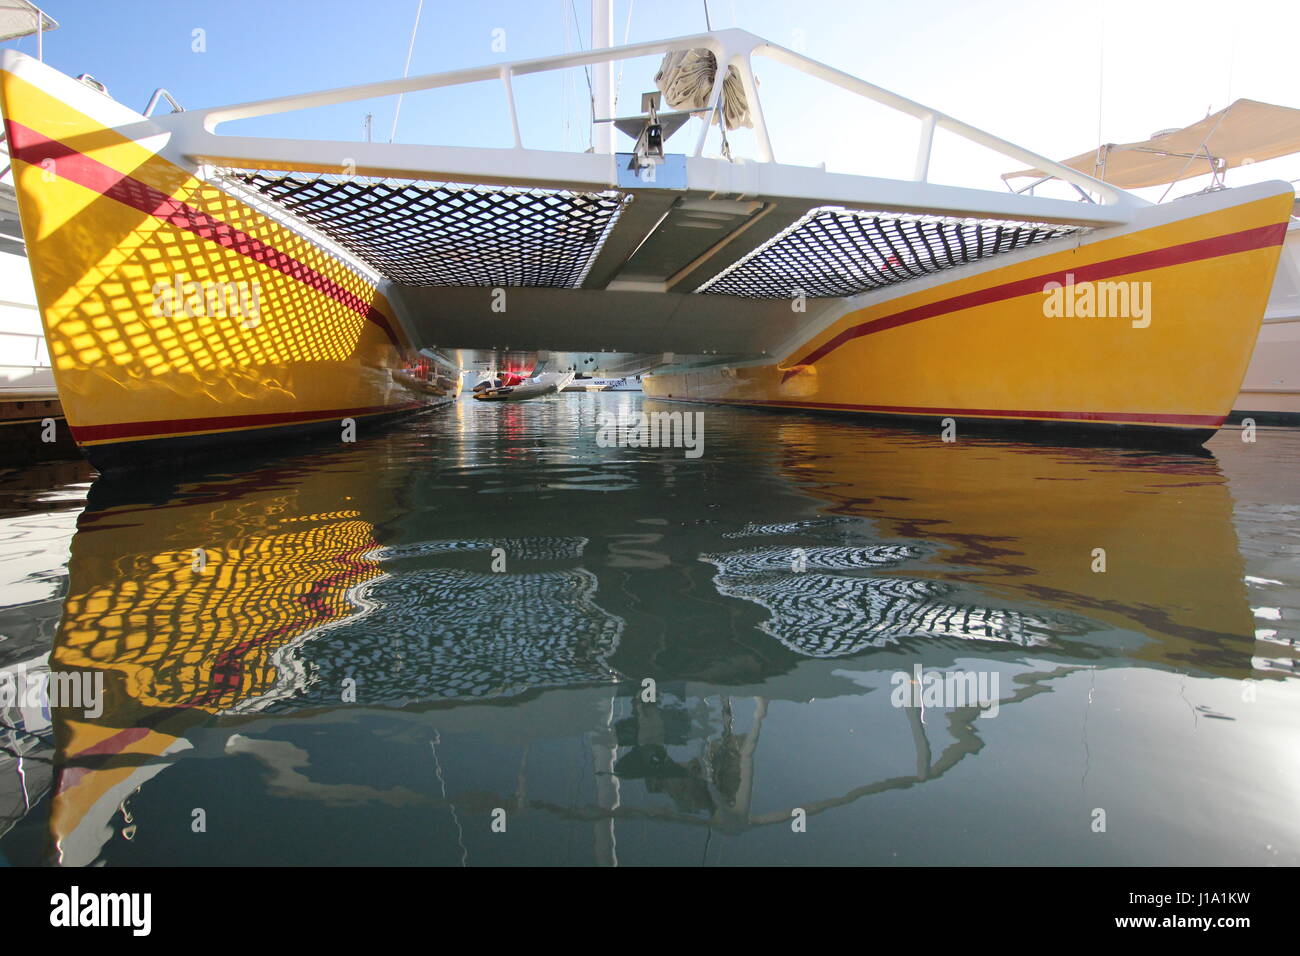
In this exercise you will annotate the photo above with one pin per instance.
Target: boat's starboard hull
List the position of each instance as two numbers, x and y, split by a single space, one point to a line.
176 314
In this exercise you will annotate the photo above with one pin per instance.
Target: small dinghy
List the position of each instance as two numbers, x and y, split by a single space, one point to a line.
547 384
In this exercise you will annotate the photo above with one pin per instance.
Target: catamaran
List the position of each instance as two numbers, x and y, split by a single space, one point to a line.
199 289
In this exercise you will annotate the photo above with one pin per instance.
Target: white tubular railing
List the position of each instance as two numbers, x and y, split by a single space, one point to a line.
933 118
213 117
193 132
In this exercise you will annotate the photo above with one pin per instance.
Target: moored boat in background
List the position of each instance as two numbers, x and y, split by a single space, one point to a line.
32 423
1271 392
548 383
586 384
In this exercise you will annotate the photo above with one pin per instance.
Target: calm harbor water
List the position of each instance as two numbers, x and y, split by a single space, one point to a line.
373 654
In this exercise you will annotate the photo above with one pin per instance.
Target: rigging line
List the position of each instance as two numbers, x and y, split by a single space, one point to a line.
1209 157
591 94
707 23
1101 74
567 87
460 833
410 48
1232 59
627 32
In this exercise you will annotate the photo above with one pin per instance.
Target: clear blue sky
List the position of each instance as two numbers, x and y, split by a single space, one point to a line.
1028 71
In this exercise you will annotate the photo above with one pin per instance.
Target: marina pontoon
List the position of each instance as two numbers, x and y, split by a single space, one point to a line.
203 289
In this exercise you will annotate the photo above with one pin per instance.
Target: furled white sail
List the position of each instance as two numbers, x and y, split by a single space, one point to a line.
686 80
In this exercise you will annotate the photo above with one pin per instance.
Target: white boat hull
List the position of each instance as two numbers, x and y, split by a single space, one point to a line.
1271 390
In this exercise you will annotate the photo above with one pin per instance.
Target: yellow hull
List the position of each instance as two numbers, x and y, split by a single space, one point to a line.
988 344
177 315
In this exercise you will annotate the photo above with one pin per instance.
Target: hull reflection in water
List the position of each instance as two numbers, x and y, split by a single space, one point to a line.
827 615
523 689
493 634
183 608
214 606
1128 541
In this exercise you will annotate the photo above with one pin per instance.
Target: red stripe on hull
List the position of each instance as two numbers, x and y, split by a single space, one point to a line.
1126 418
187 426
1260 237
33 148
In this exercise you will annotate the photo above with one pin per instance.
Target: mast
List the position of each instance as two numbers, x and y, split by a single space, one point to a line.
602 80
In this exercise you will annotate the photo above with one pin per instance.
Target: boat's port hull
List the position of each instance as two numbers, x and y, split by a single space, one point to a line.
998 346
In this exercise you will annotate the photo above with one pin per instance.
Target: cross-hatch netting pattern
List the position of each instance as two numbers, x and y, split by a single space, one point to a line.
839 252
436 234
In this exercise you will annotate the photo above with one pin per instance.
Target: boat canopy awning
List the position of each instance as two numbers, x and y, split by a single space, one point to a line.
1246 132
18 18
